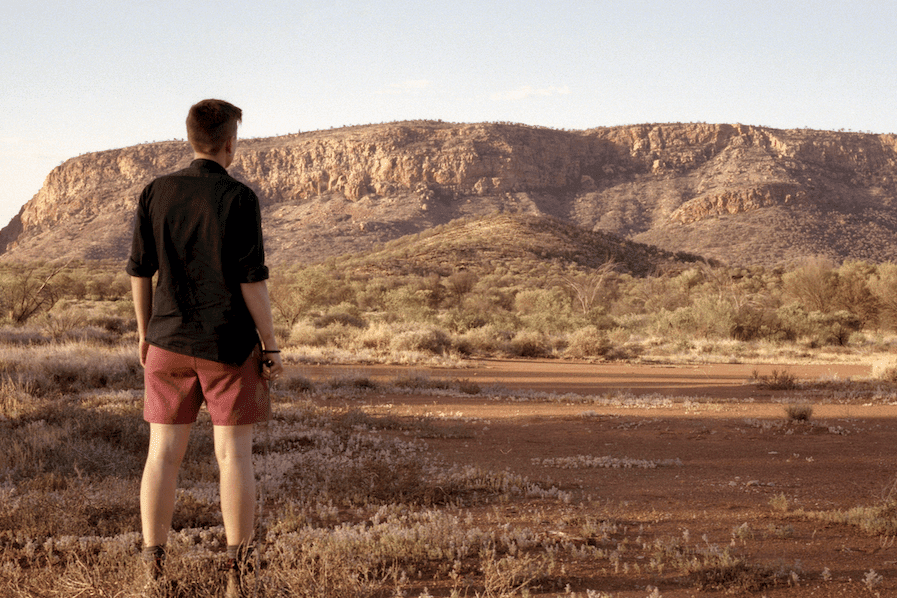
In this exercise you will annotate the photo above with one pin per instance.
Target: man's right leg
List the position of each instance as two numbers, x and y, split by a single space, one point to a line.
158 488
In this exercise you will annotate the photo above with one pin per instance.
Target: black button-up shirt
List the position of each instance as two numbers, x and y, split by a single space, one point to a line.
200 229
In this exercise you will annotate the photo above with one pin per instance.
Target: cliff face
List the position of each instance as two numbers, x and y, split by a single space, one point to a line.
736 193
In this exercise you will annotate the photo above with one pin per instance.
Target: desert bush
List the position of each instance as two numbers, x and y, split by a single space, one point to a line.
486 340
592 289
58 325
759 323
310 335
882 284
15 401
425 340
378 336
820 328
529 343
294 294
833 328
676 324
777 380
461 320
343 318
713 317
813 284
853 294
408 304
547 311
799 412
588 342
459 284
885 371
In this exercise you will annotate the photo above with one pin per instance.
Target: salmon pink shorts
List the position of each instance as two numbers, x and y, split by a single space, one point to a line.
177 385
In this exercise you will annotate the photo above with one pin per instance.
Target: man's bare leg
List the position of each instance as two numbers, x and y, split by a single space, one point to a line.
168 444
233 449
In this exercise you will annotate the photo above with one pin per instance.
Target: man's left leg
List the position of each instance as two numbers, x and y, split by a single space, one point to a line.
233 450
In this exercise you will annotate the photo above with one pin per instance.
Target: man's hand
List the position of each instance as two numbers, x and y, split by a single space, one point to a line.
143 349
272 366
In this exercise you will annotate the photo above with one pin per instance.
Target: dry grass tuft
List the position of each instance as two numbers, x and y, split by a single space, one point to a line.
777 380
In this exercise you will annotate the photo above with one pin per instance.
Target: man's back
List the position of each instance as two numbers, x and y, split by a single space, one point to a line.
199 228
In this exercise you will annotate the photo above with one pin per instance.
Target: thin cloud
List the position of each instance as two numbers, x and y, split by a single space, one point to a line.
528 91
405 87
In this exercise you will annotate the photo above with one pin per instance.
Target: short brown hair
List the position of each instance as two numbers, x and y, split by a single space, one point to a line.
210 123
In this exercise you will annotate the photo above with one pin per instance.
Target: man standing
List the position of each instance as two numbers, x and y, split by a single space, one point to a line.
206 333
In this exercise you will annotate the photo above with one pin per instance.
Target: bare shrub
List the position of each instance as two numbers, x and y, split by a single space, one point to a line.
27 291
468 387
777 380
800 413
58 325
509 575
418 381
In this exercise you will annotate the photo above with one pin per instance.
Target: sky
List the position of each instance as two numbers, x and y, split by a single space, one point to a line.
79 76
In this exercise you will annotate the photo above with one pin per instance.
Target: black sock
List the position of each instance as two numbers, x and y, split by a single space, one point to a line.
238 554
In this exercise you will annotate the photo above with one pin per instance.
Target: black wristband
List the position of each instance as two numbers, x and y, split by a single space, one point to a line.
264 351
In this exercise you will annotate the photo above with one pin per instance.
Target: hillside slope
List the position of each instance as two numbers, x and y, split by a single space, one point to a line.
510 242
739 194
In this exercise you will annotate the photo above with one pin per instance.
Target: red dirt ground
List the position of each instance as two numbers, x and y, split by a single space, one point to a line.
731 464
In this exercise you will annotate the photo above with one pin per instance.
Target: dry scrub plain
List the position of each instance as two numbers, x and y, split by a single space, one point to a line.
501 478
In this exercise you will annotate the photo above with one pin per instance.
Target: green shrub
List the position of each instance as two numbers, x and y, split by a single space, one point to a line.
834 328
408 304
547 311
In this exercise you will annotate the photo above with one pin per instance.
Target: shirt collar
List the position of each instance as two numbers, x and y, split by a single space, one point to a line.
208 166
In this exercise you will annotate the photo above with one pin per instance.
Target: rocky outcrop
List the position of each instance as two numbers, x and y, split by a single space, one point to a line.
683 187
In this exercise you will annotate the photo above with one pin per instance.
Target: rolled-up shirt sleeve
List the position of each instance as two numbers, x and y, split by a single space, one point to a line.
143 261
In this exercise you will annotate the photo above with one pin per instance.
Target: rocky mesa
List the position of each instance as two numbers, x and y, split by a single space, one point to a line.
740 194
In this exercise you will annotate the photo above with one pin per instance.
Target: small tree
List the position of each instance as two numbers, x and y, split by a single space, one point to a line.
883 286
814 284
460 283
27 292
587 288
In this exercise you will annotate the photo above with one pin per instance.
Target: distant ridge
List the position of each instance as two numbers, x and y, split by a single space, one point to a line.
739 194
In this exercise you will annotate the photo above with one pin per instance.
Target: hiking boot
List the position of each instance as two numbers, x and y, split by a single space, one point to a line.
236 587
237 567
156 586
